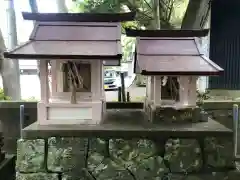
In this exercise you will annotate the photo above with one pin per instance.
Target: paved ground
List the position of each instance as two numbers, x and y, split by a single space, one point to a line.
136 94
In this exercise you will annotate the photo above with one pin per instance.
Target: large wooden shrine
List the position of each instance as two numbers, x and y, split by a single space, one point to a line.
75 47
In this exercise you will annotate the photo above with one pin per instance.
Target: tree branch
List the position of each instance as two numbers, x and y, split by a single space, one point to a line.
145 1
170 11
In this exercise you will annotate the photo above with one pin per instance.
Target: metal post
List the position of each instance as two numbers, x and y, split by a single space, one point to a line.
119 94
21 120
235 128
128 96
123 87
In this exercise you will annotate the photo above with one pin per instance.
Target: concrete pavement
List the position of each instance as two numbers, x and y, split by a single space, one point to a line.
136 94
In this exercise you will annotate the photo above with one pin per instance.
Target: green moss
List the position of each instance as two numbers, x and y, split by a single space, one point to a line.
36 176
30 155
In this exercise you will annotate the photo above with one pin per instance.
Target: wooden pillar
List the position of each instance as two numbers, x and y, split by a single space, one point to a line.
59 76
152 88
54 75
157 90
102 80
44 81
148 88
192 90
96 80
183 90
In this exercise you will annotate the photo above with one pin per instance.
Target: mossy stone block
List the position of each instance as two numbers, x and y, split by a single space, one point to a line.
71 176
219 152
170 114
200 176
66 154
30 155
36 176
183 155
126 159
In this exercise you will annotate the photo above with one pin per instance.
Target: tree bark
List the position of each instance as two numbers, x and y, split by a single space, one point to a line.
195 14
2 48
10 67
157 14
61 5
34 9
33 5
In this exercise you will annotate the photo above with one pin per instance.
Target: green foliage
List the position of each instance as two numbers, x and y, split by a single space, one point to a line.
32 98
107 6
2 96
171 11
128 48
141 81
201 96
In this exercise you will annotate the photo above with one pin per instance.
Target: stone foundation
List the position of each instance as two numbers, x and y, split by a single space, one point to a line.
171 115
135 159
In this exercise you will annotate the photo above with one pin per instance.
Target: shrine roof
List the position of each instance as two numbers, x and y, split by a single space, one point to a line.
66 50
167 33
173 52
80 17
176 65
73 36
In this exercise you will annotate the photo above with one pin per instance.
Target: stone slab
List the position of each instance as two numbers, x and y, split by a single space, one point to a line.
129 124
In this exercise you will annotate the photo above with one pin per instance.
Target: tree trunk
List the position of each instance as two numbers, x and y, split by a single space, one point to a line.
157 14
195 13
61 5
34 9
33 5
10 67
2 48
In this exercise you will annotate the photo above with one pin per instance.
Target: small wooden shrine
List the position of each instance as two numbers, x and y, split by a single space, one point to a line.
173 54
75 47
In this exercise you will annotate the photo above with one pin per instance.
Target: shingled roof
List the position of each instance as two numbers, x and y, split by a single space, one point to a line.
73 36
171 52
